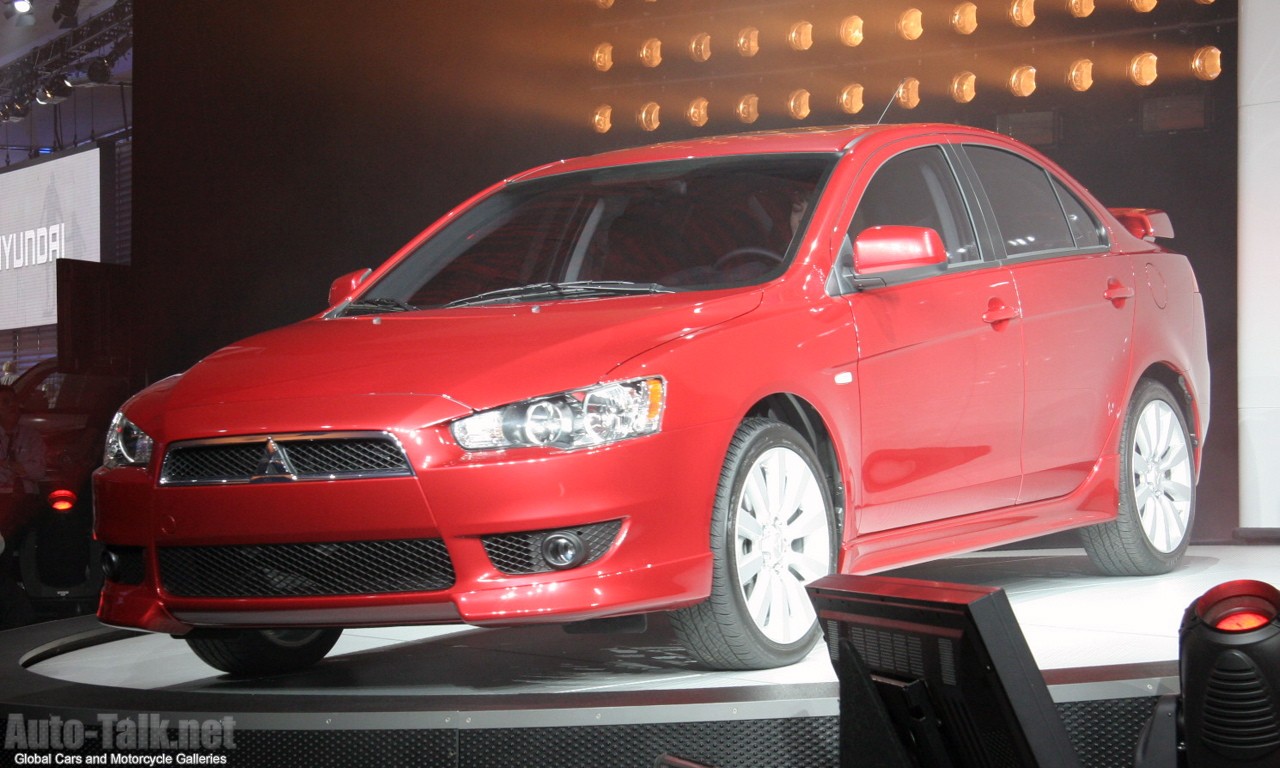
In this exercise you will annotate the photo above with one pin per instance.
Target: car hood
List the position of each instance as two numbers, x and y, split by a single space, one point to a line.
427 366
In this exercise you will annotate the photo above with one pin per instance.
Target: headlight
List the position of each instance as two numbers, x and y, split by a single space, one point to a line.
577 419
127 446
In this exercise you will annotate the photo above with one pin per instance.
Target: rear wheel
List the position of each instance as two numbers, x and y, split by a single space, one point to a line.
262 651
1157 490
771 533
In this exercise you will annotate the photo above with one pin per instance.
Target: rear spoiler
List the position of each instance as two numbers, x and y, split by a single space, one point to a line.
1146 223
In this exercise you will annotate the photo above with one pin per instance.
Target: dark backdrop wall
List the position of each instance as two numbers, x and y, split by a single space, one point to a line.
280 144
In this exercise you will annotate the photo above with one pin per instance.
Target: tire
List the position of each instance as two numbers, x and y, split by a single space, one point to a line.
772 531
262 651
1157 490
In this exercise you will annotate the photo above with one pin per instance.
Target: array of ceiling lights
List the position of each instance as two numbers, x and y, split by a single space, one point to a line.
792 60
85 54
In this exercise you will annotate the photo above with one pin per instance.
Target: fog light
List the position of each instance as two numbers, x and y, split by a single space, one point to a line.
563 549
62 500
110 565
1230 676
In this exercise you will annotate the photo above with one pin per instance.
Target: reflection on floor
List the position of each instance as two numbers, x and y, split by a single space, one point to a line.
1071 617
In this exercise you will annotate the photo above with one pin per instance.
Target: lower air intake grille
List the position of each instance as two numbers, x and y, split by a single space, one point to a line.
304 570
518 554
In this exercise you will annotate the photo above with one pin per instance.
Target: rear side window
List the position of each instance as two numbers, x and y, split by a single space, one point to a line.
1033 211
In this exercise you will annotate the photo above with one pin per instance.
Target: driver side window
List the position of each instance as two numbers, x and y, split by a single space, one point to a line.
918 189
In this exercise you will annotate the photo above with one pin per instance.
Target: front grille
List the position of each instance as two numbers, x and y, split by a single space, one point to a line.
334 456
521 553
306 570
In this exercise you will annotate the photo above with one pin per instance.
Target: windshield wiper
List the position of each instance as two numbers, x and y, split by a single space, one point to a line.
577 289
376 306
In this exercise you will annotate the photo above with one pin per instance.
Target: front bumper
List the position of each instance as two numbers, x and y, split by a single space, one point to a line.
660 490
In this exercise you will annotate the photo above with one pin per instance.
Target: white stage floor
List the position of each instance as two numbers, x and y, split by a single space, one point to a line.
1072 618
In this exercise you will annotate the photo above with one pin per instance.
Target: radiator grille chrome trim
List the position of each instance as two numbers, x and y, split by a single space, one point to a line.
302 456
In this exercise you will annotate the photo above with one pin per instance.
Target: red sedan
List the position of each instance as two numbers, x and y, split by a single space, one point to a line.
691 378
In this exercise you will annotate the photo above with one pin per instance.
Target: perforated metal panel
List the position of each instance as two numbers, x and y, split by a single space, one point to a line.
299 570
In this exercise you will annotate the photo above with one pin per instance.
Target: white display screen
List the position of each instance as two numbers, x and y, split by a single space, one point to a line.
48 211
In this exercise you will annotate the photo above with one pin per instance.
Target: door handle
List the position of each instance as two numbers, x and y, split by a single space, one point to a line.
999 312
1117 292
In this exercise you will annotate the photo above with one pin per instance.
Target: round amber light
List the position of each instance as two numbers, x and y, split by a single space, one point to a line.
748 108
1143 6
1080 8
911 24
651 52
1022 12
1080 75
908 94
1206 63
698 112
700 47
602 57
800 36
964 18
1022 81
851 31
851 98
748 43
798 104
1143 69
964 87
602 118
648 116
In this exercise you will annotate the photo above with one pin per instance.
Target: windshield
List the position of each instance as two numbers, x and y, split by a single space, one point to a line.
675 226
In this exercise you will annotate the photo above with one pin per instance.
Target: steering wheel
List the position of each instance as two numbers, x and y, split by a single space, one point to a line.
749 251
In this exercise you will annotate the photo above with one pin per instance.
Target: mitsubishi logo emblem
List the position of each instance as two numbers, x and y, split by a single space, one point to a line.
274 466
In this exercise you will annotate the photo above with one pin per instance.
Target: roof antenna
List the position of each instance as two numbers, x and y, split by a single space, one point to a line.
892 99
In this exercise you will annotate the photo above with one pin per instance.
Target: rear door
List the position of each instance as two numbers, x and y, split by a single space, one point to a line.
1077 317
940 371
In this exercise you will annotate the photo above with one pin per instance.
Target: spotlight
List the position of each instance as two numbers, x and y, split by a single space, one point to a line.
99 70
602 57
1022 12
1080 75
908 94
602 118
17 110
748 108
648 116
748 43
1143 6
1142 69
698 112
1206 63
700 47
964 18
22 6
1229 645
65 13
651 52
1080 8
798 104
911 24
20 12
56 90
964 87
851 98
62 500
851 31
1022 81
800 36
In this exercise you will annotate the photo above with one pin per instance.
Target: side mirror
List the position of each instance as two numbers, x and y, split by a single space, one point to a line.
346 285
887 248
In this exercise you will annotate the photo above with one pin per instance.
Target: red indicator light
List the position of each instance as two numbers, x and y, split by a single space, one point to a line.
1243 621
62 500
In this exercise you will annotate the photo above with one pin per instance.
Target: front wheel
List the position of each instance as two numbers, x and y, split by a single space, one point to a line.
772 532
262 651
1157 490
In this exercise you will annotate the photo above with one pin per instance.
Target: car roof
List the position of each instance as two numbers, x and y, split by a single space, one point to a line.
828 139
